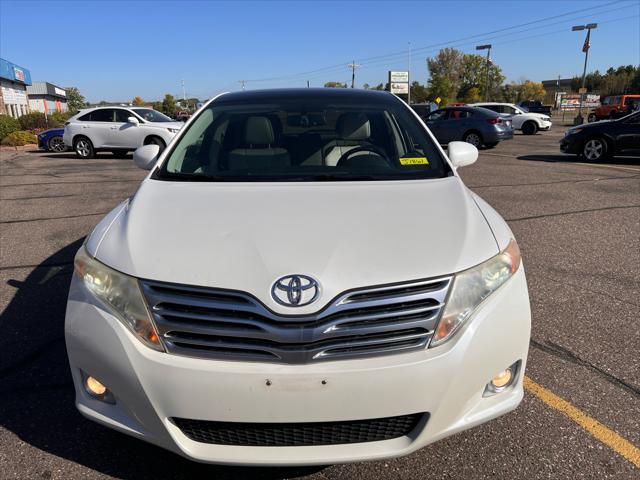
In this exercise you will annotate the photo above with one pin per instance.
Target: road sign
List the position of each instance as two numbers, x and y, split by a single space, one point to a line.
582 90
438 100
399 77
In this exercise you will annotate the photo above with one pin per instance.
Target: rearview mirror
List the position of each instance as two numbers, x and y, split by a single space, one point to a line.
146 157
461 154
133 120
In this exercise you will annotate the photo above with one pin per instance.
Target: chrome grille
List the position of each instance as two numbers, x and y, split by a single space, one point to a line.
231 325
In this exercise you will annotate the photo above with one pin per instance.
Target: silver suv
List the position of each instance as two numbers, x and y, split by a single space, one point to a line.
118 130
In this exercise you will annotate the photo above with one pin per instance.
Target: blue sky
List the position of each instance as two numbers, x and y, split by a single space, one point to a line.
114 50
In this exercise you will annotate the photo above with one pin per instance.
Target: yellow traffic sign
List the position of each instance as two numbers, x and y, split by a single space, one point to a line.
438 100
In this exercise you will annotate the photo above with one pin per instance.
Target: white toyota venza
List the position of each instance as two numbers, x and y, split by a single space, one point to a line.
302 278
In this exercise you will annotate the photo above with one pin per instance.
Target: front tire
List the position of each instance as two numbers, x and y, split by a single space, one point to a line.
474 138
56 144
529 128
83 148
156 141
595 149
592 118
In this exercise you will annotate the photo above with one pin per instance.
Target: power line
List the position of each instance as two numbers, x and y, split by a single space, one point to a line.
394 54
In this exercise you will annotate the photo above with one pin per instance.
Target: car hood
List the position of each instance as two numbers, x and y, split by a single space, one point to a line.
244 236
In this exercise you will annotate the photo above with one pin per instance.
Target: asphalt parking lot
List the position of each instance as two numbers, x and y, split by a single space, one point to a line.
578 226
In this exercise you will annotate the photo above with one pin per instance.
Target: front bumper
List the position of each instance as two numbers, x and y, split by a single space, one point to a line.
570 144
545 125
151 388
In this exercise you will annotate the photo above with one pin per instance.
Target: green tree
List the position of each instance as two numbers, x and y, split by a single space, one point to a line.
474 75
75 100
157 106
138 101
169 105
445 69
419 93
335 85
440 87
380 86
366 86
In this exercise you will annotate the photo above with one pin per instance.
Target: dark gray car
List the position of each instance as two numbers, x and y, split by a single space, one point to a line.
475 125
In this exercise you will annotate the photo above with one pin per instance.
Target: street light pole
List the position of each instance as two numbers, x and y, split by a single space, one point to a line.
585 48
409 77
486 47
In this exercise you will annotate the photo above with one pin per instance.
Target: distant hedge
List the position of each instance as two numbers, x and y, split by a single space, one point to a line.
8 125
19 138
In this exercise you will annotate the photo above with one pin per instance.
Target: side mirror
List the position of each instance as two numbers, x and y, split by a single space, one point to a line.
145 157
461 154
133 121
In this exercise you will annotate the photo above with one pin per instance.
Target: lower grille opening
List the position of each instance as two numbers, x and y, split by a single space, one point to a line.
299 434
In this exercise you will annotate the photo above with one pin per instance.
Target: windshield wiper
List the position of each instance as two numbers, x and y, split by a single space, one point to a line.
194 177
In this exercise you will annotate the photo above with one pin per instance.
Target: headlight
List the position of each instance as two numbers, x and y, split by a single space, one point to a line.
173 130
471 287
573 131
121 294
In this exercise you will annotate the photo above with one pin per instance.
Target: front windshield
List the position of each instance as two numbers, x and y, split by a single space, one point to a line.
151 115
290 139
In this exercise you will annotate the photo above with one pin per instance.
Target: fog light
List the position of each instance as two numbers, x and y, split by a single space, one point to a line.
97 390
502 380
95 387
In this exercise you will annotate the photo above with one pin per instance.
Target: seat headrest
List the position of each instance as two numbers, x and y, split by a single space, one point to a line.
258 131
354 126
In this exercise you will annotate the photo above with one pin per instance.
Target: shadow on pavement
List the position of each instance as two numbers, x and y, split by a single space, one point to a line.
574 158
37 396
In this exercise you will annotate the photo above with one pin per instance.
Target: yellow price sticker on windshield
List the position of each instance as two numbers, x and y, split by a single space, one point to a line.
414 161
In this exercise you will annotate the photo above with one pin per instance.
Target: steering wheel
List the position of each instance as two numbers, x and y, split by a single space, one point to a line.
364 148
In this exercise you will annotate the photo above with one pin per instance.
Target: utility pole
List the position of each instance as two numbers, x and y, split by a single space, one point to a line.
353 65
409 77
307 83
184 92
486 84
585 48
242 83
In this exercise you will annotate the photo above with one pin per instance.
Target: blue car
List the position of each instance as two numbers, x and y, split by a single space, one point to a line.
51 140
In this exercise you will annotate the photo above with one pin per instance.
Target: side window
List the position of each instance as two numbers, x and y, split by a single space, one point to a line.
437 116
616 100
86 117
459 114
102 115
509 110
494 108
122 115
606 101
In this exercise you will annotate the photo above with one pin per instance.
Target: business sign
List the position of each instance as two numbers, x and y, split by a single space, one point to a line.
398 77
60 92
399 83
399 88
19 73
572 102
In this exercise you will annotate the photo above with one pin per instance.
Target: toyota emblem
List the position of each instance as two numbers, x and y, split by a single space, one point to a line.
295 290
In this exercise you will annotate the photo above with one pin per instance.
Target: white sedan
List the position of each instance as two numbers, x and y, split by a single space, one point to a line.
527 122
